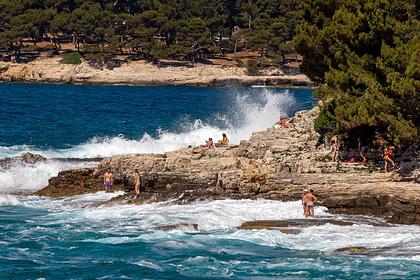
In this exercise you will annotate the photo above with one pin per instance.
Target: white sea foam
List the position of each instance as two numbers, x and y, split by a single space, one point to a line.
23 177
411 258
7 199
246 116
222 217
211 215
218 220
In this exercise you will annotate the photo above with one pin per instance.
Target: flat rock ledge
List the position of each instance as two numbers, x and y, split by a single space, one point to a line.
295 226
52 70
273 164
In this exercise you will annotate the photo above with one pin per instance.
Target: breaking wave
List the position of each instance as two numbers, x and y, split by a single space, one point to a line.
24 178
248 114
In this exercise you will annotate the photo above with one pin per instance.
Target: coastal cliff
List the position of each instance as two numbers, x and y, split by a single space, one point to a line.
273 164
52 70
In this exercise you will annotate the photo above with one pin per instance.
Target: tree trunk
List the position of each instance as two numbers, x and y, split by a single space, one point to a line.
56 42
283 57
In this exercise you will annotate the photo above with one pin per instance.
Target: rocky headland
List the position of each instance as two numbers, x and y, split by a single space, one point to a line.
52 70
273 164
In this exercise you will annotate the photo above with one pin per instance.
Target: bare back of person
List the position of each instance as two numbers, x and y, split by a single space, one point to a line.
310 200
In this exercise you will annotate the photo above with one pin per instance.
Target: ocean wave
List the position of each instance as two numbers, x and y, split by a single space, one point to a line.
26 177
217 224
8 199
248 114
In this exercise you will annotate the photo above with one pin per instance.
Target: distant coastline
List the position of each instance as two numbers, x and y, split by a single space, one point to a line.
52 70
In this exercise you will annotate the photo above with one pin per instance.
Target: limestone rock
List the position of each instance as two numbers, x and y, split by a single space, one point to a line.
26 158
296 223
272 164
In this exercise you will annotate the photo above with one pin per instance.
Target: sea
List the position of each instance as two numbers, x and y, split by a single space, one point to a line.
74 238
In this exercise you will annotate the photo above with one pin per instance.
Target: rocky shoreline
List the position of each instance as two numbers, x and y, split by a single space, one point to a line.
273 164
51 70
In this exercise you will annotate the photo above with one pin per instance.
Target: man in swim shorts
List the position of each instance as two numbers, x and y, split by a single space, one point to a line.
108 179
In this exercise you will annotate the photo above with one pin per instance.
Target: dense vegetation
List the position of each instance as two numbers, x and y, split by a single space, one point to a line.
365 56
182 29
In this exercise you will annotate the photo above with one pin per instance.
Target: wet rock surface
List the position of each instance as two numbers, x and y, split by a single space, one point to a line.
75 182
26 158
354 250
178 226
295 223
273 164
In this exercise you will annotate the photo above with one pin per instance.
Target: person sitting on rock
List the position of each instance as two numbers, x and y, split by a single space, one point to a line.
281 123
388 154
224 142
209 143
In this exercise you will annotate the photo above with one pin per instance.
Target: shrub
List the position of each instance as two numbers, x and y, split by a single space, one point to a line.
239 62
72 58
252 68
325 123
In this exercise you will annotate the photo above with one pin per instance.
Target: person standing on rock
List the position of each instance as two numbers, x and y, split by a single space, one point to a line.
309 202
388 154
305 192
108 180
137 181
334 147
363 149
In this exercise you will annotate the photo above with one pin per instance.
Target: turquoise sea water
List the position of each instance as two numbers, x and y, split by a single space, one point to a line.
71 238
